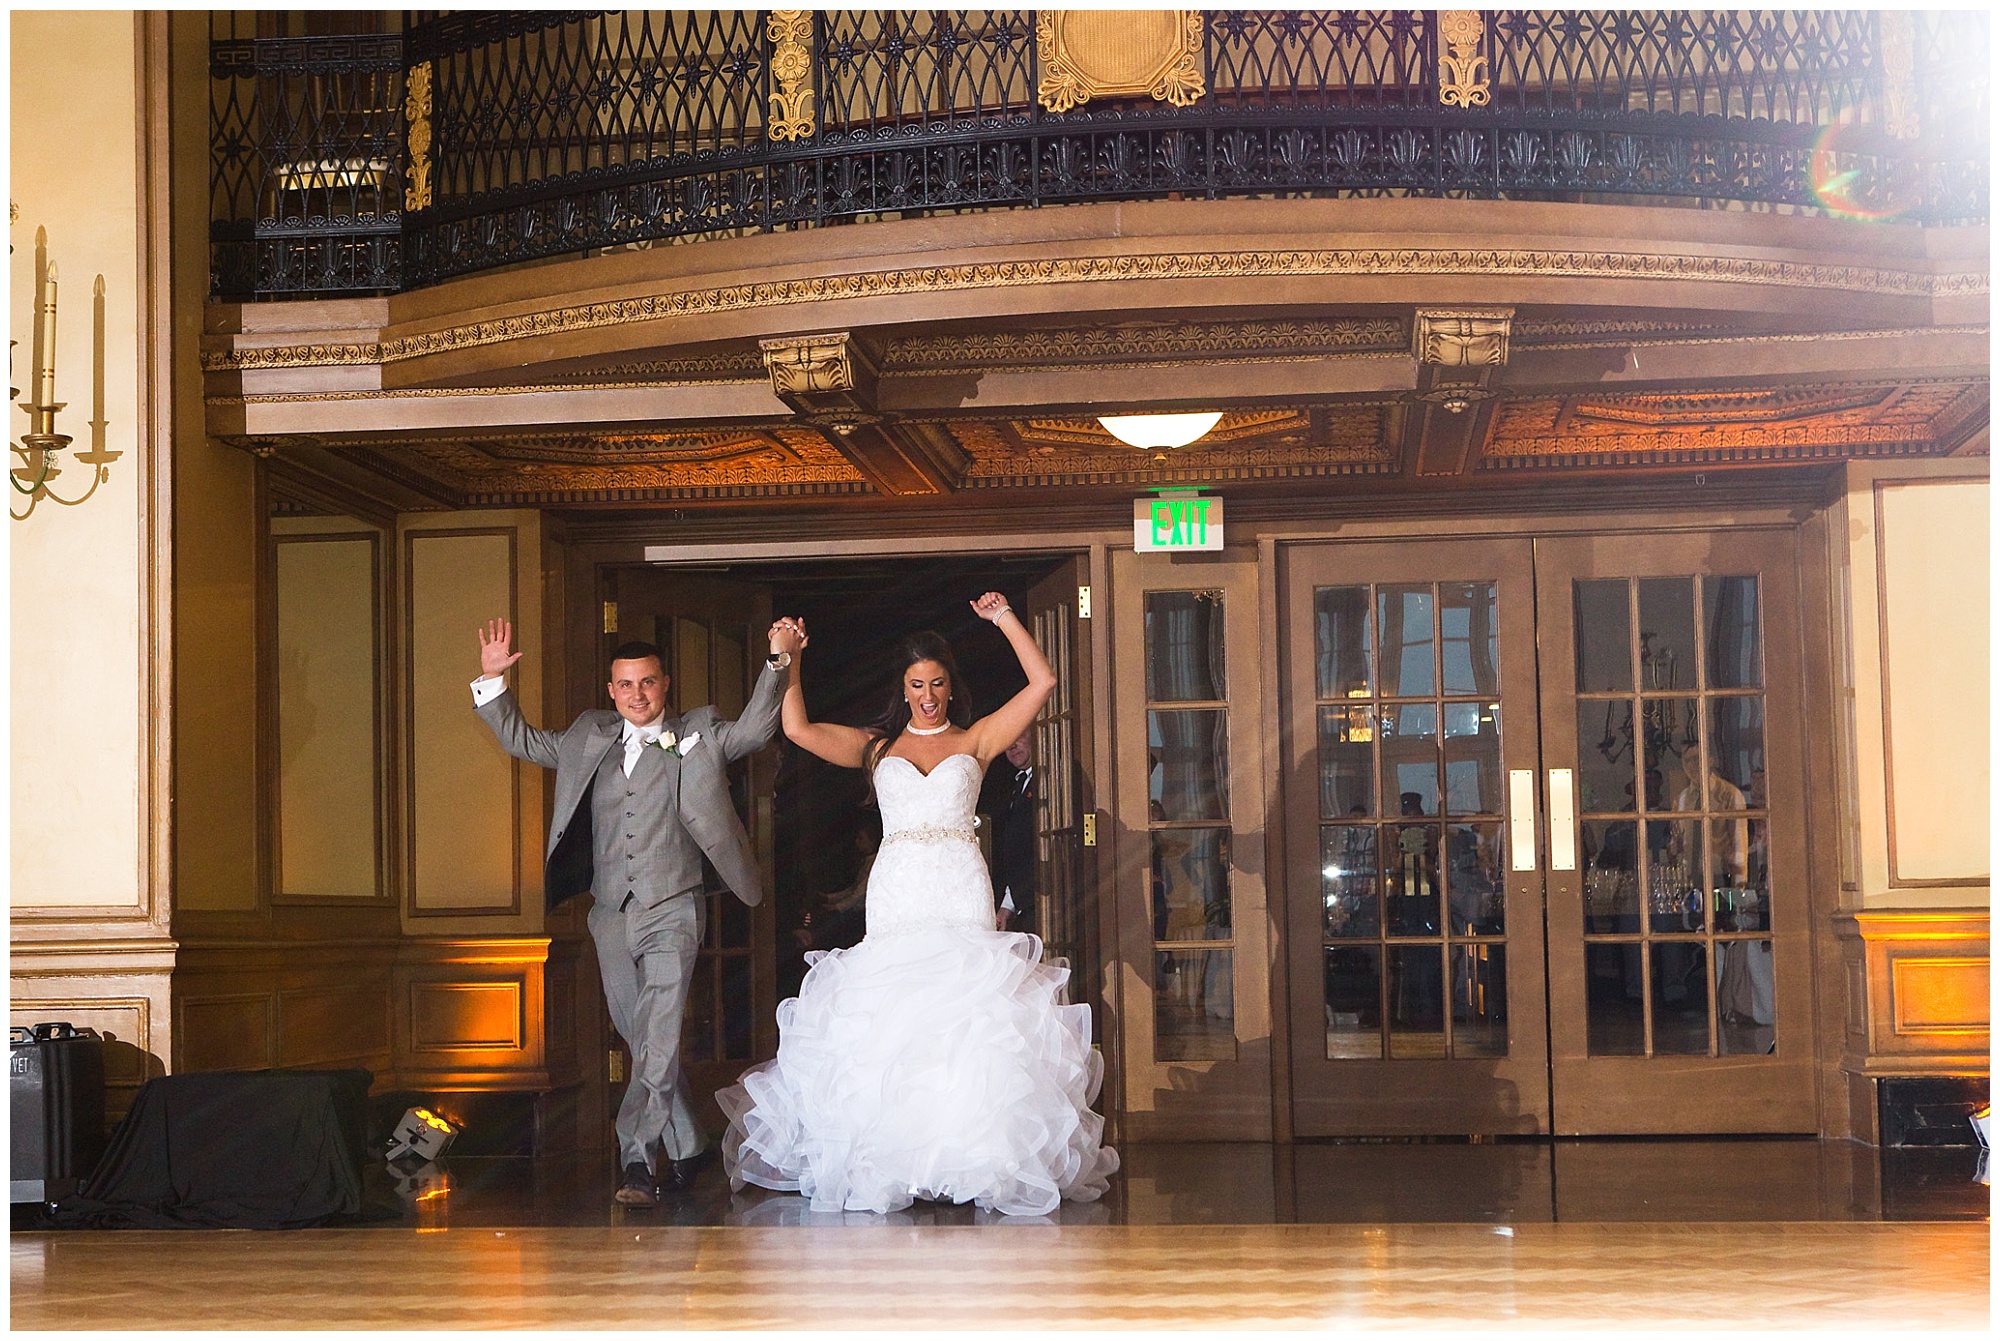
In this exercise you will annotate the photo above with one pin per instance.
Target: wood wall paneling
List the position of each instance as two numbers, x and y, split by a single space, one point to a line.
329 717
464 813
1931 555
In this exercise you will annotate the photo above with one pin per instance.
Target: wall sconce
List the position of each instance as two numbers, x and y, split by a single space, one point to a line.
39 446
1158 430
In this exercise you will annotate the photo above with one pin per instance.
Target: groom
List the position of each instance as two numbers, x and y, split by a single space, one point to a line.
641 797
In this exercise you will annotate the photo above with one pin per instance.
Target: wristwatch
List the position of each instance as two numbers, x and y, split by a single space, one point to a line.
778 660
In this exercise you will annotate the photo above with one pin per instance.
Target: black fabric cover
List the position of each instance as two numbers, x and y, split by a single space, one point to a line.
231 1150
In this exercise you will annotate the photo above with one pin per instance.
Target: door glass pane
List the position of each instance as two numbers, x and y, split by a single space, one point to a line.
1606 763
1353 1001
1350 883
1743 998
1347 761
1405 619
1666 633
1673 875
1475 889
1190 884
1680 999
1671 750
1736 743
1603 637
1416 1001
1470 626
1735 648
1616 1000
1188 763
1184 646
1411 888
1340 624
1194 1012
1479 1001
1610 876
1472 781
1410 759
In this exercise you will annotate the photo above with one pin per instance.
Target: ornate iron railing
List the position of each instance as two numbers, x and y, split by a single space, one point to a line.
479 139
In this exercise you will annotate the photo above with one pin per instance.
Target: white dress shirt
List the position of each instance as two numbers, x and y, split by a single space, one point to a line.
636 738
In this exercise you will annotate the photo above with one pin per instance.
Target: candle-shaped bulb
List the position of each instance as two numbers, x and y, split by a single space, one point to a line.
46 393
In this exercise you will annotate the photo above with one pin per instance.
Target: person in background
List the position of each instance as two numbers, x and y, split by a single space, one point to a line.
1010 794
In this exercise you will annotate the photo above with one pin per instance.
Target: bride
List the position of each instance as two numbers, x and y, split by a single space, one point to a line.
935 1059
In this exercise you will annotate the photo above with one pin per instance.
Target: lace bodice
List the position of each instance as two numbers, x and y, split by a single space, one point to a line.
929 871
941 799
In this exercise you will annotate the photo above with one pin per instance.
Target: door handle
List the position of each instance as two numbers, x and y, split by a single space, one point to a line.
1562 820
1521 818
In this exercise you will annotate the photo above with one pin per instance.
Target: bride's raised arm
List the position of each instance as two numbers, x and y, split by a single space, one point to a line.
1004 725
843 745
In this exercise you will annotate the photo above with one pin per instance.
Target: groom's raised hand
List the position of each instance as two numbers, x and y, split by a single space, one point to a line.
495 642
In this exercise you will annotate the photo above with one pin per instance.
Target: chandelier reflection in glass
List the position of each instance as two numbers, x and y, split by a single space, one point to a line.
39 446
1158 430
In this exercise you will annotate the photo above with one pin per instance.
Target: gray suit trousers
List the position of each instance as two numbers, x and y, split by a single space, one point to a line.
646 957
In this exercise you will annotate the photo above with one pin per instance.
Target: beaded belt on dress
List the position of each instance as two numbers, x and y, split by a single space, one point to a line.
928 833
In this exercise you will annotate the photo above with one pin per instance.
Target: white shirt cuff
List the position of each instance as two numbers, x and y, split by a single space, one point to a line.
485 691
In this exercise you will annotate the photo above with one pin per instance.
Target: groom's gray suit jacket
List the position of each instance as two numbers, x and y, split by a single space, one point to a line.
643 836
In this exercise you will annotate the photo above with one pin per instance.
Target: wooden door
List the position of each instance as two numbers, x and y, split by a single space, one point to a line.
1414 910
1066 912
1679 954
1193 954
712 634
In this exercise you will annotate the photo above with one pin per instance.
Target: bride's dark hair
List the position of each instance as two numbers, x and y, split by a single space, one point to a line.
925 646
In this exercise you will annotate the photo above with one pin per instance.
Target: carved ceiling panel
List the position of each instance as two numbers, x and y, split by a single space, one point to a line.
1258 444
1772 424
772 462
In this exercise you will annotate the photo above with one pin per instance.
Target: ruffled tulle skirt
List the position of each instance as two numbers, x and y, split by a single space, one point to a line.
939 1064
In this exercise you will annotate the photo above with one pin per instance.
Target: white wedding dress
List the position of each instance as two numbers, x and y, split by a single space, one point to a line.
936 1059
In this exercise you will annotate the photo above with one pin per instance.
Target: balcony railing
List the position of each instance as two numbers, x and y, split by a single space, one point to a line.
481 139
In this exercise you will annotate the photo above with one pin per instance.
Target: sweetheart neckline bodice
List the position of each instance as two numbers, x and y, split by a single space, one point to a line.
934 767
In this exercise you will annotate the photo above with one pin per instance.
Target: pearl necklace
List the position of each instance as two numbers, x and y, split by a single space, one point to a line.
928 730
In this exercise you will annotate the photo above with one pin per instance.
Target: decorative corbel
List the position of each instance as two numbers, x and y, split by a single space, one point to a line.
1463 337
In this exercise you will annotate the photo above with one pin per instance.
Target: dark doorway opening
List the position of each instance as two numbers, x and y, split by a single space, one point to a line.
855 611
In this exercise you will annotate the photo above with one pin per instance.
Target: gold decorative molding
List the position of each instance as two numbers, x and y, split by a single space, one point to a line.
793 116
1898 29
1462 80
1140 343
1326 263
1094 53
1462 337
417 117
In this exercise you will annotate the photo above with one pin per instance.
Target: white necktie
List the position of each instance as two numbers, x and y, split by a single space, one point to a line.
635 742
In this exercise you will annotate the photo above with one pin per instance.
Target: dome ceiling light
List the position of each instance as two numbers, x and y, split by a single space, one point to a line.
1158 430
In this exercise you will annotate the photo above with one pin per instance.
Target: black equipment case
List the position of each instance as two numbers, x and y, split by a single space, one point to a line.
55 1074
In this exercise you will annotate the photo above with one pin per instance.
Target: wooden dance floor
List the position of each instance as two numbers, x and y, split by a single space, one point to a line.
1685 1236
1014 1277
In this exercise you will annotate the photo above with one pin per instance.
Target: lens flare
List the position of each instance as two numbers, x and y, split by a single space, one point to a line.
1849 177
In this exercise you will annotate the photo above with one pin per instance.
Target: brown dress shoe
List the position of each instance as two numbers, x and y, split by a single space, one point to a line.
638 1188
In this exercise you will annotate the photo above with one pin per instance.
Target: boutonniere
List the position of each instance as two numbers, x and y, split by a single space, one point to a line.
680 745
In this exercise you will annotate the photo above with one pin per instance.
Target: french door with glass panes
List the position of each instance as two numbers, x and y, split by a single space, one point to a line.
1193 945
1544 836
1679 966
1415 952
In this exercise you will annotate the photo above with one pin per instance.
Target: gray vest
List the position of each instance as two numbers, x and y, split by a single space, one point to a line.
640 847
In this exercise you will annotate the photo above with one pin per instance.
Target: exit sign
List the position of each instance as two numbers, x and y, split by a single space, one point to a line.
1181 519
